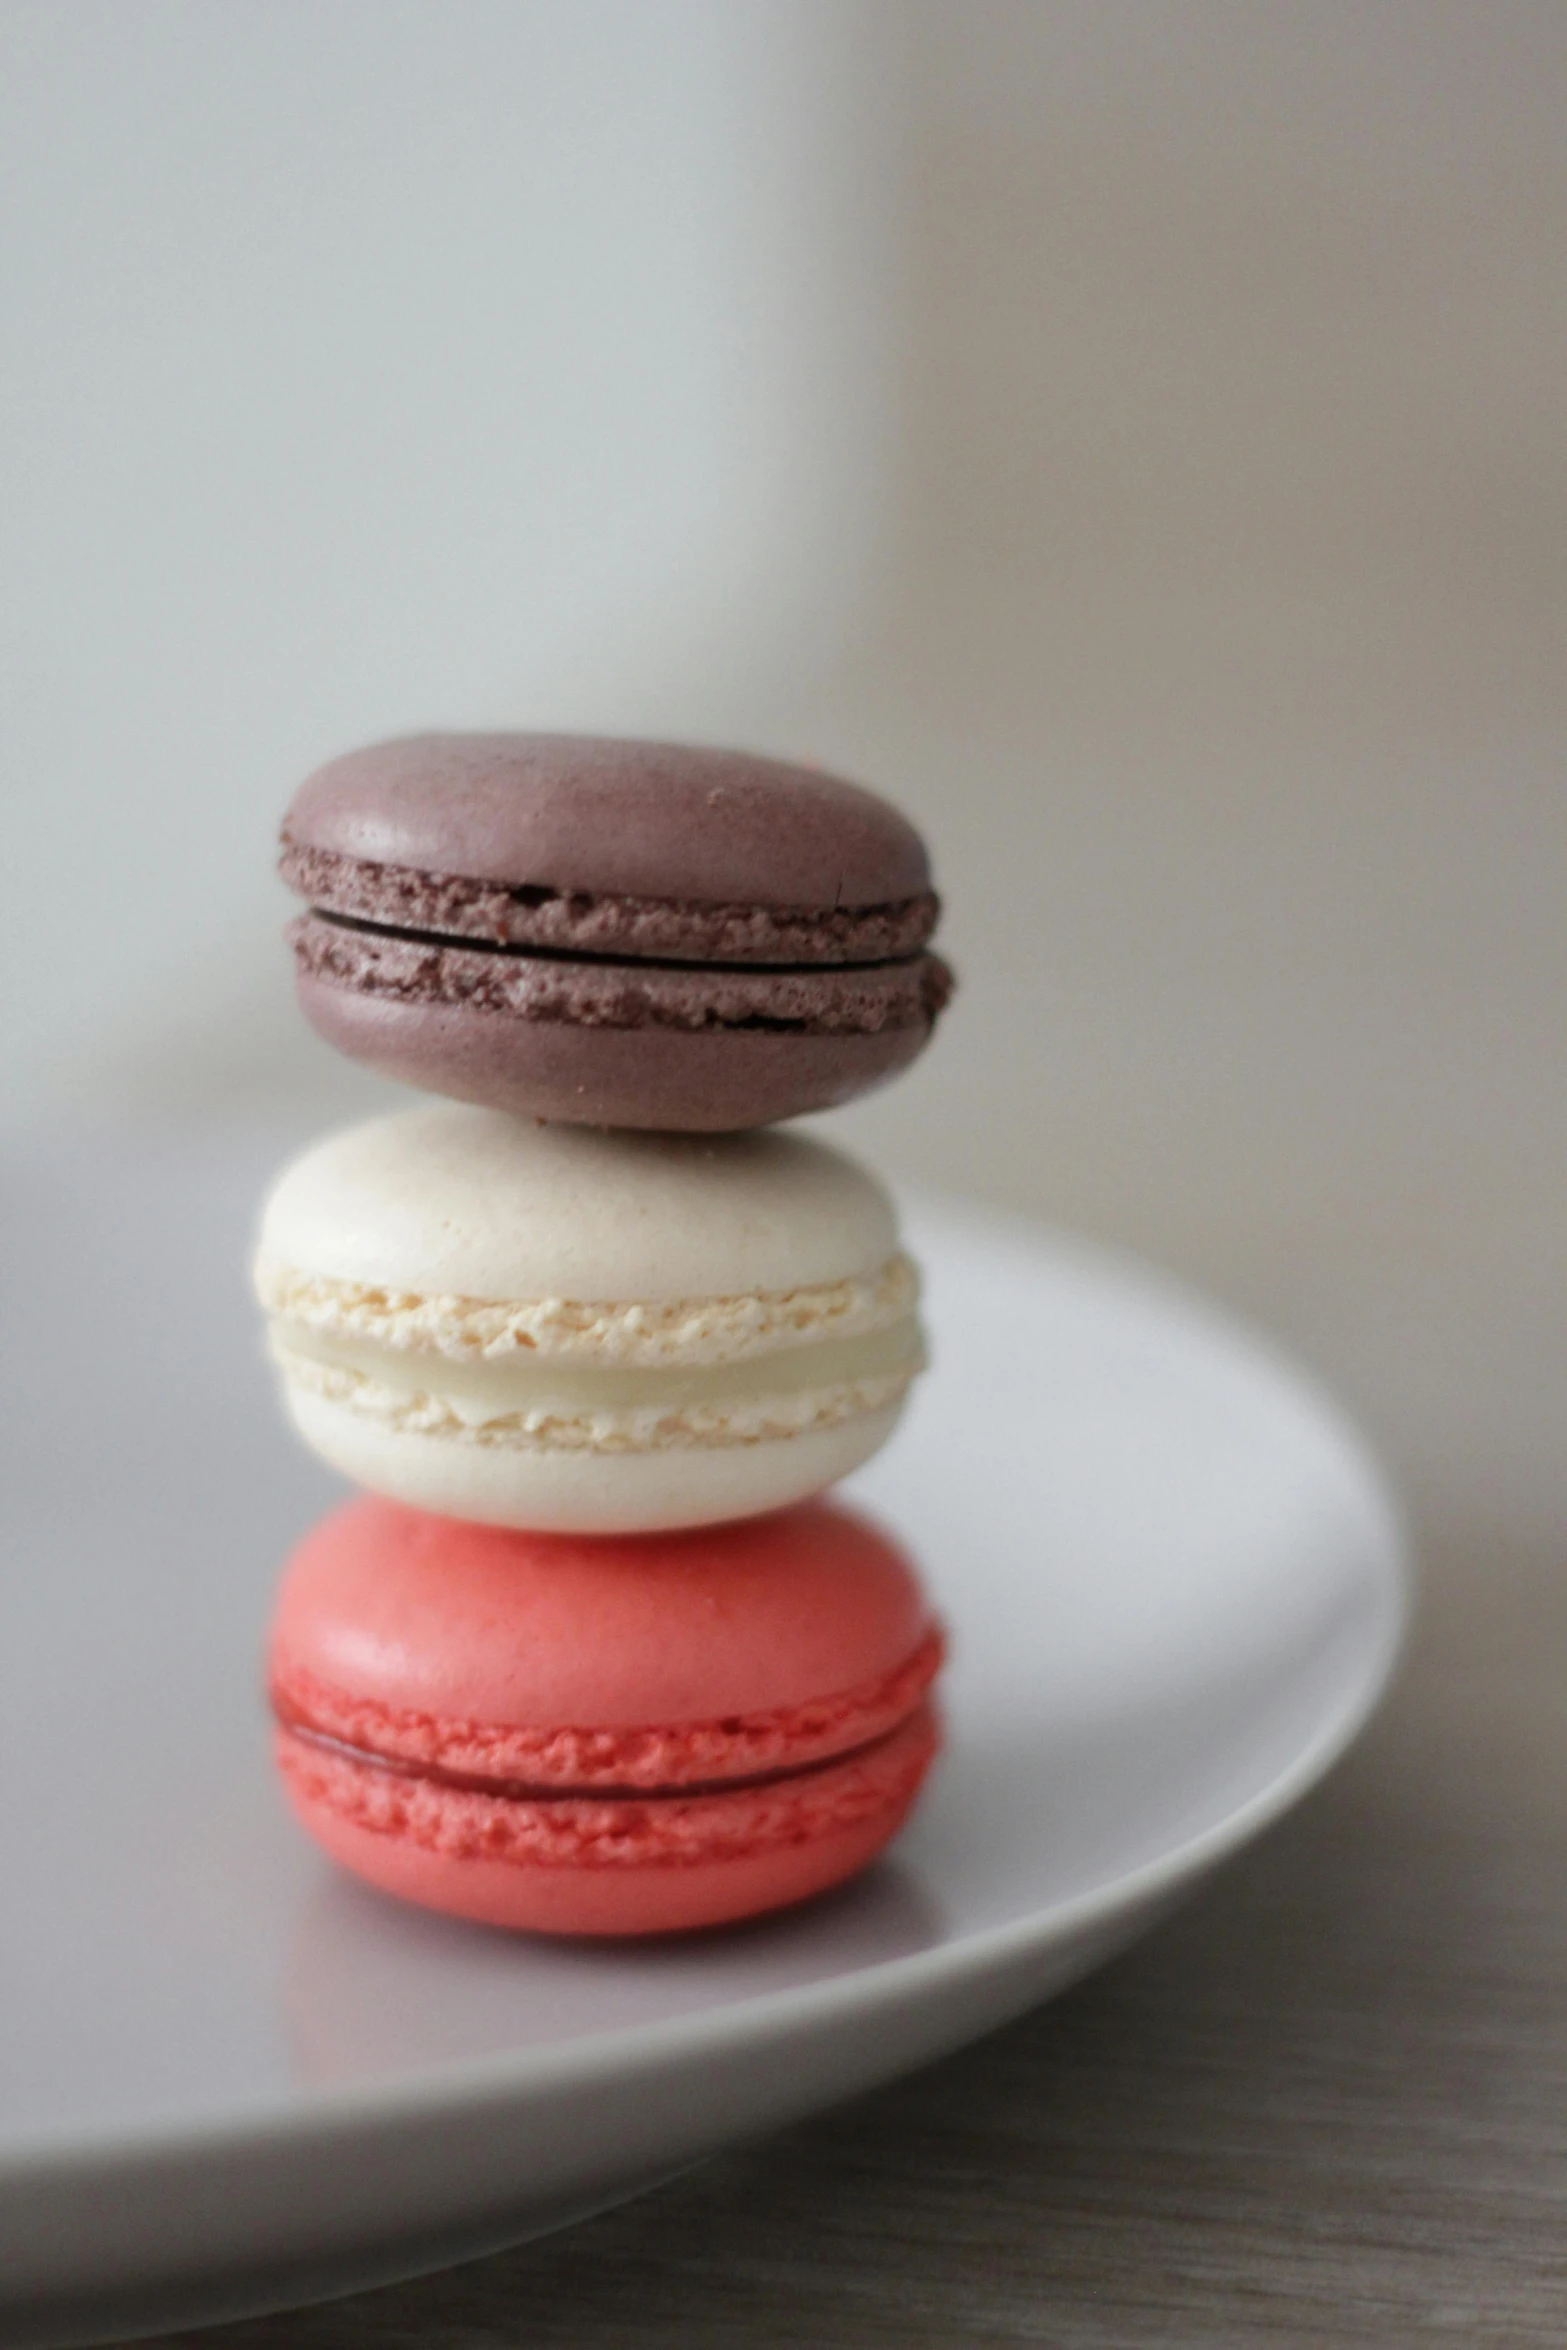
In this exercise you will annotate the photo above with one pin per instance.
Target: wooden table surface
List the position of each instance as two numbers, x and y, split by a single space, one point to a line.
1326 2104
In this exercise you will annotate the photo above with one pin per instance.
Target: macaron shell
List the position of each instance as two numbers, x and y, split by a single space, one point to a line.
462 1622
595 814
693 1081
453 1200
583 1492
433 1846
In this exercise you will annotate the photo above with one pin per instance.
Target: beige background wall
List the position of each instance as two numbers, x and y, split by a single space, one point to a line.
1131 433
1226 654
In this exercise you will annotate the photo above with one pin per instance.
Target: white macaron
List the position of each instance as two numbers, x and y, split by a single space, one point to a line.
577 1331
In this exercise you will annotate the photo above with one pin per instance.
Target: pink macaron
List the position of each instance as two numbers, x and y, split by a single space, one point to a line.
624 1735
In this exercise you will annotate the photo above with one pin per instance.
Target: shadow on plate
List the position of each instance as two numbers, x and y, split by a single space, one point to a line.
375 1989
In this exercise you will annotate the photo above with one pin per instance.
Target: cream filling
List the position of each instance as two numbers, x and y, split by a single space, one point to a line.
535 1403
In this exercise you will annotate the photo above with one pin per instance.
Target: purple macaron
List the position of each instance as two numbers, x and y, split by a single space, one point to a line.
611 933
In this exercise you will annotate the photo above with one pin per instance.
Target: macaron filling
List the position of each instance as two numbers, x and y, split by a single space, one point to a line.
465 1817
557 1374
836 997
544 1403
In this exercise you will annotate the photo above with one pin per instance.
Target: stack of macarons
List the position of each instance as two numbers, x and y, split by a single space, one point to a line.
590 1653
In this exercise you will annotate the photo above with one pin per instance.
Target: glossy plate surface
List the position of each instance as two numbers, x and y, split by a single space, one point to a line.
229 2079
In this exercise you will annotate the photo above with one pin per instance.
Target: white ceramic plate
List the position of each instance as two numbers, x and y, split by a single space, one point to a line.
230 2080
